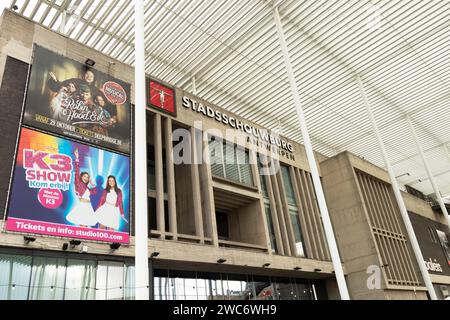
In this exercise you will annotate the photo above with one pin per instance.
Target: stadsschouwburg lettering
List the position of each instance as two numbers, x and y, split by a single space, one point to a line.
226 119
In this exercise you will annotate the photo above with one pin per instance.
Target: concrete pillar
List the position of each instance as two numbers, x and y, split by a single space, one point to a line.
273 213
171 193
280 216
287 215
195 180
307 238
208 196
159 175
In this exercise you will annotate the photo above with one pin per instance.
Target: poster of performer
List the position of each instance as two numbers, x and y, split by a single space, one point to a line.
74 100
68 189
160 97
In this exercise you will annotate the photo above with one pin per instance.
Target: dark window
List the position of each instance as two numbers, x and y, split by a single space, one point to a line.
151 173
152 214
222 225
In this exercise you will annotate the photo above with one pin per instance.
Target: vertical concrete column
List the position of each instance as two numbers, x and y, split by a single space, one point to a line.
171 200
280 216
307 238
195 180
287 214
256 179
208 196
159 179
273 213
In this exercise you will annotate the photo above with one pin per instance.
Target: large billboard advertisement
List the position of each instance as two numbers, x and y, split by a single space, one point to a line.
71 99
68 189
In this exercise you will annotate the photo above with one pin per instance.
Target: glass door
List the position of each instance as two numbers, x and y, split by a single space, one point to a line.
110 281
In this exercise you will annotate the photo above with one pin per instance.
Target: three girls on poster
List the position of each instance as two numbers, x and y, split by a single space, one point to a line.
110 208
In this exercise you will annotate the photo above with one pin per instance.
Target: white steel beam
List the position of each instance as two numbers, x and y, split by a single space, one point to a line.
398 196
336 260
140 160
437 192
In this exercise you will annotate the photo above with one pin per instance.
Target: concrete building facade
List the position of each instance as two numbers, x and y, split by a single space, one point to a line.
219 226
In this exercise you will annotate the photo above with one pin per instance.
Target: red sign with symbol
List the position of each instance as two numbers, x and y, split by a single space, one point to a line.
161 97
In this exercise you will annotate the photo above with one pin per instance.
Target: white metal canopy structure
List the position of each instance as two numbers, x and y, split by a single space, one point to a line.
401 49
